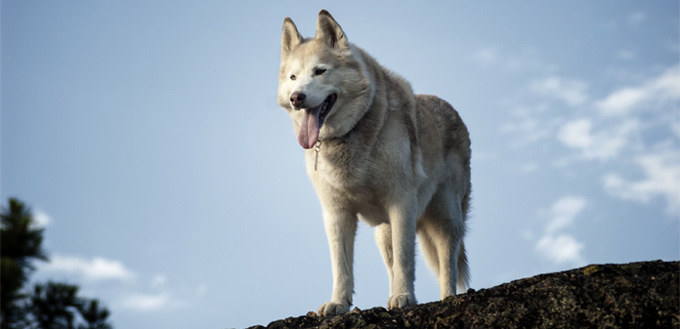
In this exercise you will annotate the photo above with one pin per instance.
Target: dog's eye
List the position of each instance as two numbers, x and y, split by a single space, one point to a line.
293 77
319 71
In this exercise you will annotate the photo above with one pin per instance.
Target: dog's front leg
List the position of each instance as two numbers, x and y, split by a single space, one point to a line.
403 224
341 227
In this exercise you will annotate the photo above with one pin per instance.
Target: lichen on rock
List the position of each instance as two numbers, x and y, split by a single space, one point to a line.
635 295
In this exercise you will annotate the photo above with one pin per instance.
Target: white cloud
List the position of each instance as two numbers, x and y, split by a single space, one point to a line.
622 127
162 301
529 129
661 90
527 59
146 302
561 249
572 92
625 54
564 211
527 126
486 57
201 290
621 101
675 128
41 219
577 134
159 280
661 179
529 168
602 145
96 269
636 18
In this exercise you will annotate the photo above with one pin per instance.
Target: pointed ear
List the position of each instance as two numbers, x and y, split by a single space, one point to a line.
330 32
290 37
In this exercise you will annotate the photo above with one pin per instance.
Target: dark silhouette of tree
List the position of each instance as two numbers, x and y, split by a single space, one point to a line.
52 305
20 244
94 316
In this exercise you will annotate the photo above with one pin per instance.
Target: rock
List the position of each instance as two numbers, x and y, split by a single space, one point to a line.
635 295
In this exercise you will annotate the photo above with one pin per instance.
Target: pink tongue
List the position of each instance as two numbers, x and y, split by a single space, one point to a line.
309 128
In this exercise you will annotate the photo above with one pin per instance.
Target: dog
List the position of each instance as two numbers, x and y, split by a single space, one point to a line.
378 153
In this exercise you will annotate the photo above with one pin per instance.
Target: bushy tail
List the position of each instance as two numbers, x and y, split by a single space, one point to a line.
463 271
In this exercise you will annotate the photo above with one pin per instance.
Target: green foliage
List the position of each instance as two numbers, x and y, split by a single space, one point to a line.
20 244
20 241
52 305
94 316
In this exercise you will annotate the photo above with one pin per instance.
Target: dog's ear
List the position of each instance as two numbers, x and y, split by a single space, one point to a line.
330 32
290 37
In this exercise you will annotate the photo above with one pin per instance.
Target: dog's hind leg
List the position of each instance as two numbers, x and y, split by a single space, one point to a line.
441 232
427 246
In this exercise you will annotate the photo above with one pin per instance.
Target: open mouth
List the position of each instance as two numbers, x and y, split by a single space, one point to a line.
326 107
312 120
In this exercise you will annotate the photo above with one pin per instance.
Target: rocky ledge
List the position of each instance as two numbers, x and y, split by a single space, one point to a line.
635 295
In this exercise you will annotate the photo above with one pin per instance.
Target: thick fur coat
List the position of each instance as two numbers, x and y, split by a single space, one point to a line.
374 151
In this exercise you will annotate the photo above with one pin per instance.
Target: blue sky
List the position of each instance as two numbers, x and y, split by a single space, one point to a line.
147 138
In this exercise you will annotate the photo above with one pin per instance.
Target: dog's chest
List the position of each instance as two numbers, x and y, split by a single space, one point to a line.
356 182
357 189
343 173
353 181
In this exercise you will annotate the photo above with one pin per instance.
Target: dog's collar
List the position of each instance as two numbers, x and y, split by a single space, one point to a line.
339 137
317 149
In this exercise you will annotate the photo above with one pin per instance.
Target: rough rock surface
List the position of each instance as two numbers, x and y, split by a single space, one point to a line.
635 295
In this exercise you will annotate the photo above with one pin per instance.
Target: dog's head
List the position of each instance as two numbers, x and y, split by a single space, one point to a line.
320 81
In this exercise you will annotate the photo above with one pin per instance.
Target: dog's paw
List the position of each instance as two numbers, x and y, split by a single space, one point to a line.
401 300
331 308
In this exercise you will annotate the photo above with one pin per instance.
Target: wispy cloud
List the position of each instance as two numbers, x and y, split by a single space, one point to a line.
625 54
556 246
41 218
663 90
527 126
161 301
636 18
486 57
661 178
159 280
564 211
572 92
95 269
603 144
620 128
529 129
146 302
529 167
617 124
675 128
526 59
561 249
152 294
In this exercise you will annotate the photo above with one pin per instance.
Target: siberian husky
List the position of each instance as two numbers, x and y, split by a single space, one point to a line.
375 151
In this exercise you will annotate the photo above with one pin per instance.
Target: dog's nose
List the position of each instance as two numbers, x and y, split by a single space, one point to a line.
297 98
